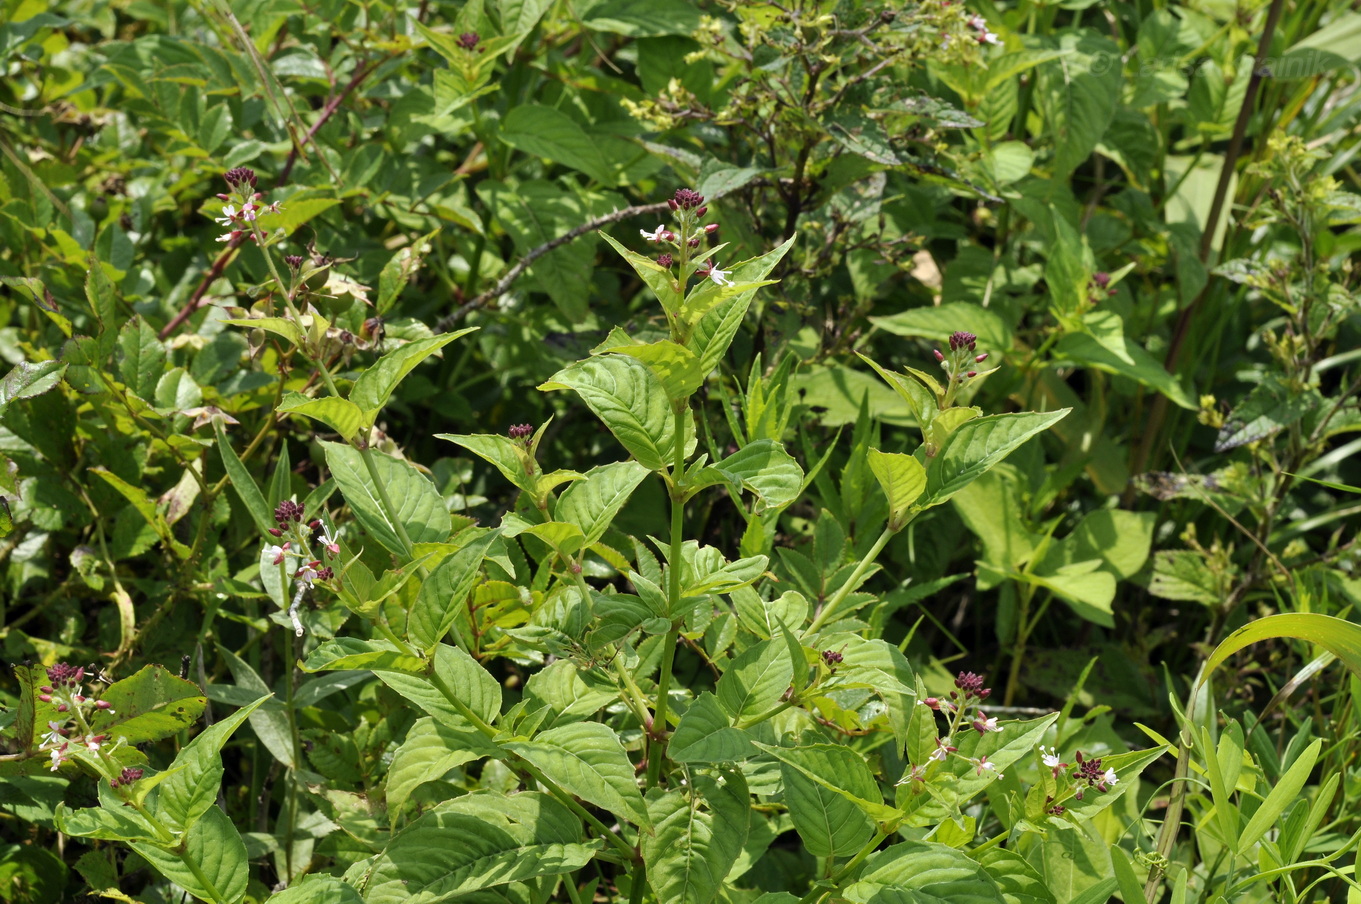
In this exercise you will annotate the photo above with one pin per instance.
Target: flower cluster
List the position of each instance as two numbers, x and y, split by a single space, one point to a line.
129 775
1087 774
969 691
959 363
689 209
243 205
1099 287
980 25
469 40
303 537
520 432
65 689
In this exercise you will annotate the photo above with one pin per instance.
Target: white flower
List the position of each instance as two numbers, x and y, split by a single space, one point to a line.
989 724
306 574
988 37
53 736
92 742
58 756
226 238
720 276
1110 778
1050 759
248 212
978 23
330 540
655 236
938 754
277 552
228 216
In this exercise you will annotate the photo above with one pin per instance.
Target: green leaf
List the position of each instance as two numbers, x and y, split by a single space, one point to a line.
592 502
923 872
215 846
340 415
1268 409
420 508
839 769
145 507
697 840
27 380
1338 636
1085 349
1183 575
100 292
764 467
903 480
285 329
586 759
756 680
706 735
375 385
141 358
147 706
938 322
714 332
977 445
501 451
189 788
444 854
547 132
625 394
316 889
881 666
658 278
1078 93
347 653
244 485
430 750
829 824
397 273
644 18
1019 882
674 365
443 595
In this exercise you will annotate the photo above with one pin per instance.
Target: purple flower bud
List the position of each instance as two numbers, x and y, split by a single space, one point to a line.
294 262
961 339
240 176
833 658
46 698
687 199
275 532
939 356
520 431
711 228
701 211
469 40
664 261
972 373
1102 279
981 358
102 704
672 202
129 775
694 242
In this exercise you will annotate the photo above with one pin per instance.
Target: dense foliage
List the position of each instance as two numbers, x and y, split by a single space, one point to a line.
679 451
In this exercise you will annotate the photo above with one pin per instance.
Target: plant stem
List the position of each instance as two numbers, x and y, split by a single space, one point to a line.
673 596
852 582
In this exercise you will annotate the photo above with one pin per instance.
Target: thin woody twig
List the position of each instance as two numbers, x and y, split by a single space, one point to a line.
534 254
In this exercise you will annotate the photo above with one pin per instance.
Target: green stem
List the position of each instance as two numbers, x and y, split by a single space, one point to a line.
197 870
852 582
822 889
768 714
389 509
673 597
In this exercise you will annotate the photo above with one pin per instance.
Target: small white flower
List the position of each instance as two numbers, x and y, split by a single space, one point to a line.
656 236
330 540
1110 777
1050 759
92 742
990 724
58 756
988 37
226 238
306 574
277 552
720 276
978 23
228 217
938 754
53 736
248 212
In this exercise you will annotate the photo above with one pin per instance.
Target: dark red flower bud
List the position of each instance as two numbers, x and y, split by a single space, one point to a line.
275 532
981 358
665 260
939 356
240 176
711 228
687 198
961 339
1101 279
701 211
469 40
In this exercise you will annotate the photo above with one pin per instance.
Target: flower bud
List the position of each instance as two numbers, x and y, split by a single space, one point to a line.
711 228
701 211
102 704
275 532
665 260
981 358
972 373
939 356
